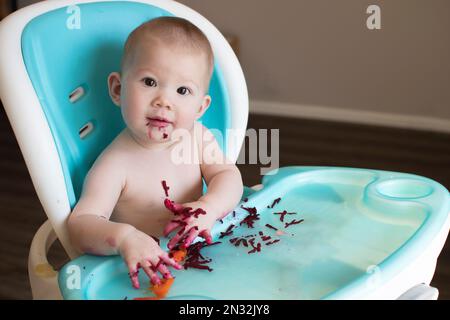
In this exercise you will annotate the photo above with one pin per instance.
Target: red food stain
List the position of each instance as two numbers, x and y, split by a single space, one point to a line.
165 187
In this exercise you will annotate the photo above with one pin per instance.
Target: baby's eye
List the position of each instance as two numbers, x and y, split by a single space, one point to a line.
149 82
183 91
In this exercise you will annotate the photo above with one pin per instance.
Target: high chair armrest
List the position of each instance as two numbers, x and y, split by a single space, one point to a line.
420 292
43 277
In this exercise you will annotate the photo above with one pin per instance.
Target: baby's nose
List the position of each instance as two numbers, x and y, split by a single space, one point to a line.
162 101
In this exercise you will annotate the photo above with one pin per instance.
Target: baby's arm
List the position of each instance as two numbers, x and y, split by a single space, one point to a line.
222 177
224 192
89 226
92 232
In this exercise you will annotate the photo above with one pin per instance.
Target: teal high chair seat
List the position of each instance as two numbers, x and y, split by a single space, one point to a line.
366 233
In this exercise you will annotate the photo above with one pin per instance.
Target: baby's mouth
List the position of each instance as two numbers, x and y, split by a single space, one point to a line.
158 122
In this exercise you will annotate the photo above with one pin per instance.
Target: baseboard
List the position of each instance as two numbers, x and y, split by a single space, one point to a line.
348 115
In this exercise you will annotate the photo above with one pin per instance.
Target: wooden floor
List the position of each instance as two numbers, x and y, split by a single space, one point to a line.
302 142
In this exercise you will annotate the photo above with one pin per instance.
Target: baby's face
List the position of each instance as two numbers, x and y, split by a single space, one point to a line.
163 89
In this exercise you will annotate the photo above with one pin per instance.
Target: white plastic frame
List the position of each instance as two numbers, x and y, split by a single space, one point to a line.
30 125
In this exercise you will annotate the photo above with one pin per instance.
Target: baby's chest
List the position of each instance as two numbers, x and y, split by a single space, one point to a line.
144 182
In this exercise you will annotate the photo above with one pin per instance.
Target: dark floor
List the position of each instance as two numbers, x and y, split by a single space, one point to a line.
302 142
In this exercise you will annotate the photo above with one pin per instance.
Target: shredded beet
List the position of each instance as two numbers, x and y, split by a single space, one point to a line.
250 210
184 212
234 214
221 221
264 237
272 242
282 214
239 241
276 201
165 187
287 224
271 227
251 218
256 248
245 199
194 258
165 135
227 232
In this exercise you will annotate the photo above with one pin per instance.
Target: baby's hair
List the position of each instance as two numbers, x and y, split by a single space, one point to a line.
174 31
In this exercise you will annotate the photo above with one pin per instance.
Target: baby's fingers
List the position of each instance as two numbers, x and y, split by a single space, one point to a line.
192 234
176 238
150 273
164 271
133 273
171 226
206 235
170 262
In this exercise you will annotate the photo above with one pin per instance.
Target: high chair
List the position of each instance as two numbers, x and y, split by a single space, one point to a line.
54 63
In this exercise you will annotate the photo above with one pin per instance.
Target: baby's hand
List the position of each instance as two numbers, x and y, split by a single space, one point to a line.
139 250
190 228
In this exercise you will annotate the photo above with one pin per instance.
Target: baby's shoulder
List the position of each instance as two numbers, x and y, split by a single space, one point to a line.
113 156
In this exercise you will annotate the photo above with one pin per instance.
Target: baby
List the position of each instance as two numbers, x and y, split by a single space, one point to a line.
165 73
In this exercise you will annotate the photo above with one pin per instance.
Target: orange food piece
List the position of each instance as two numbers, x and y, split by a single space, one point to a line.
161 290
179 255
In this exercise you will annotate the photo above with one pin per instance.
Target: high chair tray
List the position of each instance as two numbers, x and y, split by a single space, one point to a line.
357 228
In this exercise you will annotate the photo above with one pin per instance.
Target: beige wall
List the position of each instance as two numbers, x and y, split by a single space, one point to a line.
317 52
321 52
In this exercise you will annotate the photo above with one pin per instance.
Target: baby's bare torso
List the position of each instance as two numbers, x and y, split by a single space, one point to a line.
141 202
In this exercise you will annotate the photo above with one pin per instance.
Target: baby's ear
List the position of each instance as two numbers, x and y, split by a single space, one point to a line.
114 87
205 105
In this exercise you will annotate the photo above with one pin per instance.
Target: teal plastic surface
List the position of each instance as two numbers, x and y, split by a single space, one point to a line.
355 221
59 60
